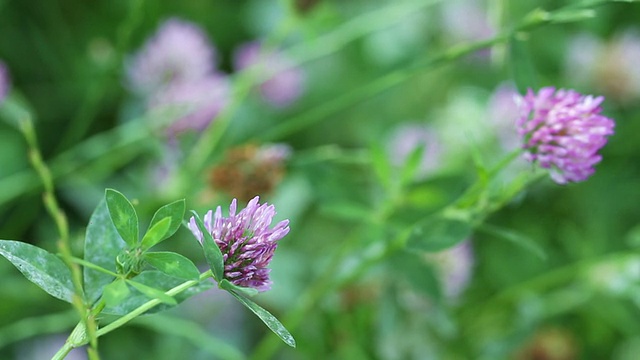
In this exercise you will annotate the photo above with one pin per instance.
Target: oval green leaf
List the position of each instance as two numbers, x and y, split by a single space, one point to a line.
123 215
174 211
173 264
116 292
156 233
40 267
438 233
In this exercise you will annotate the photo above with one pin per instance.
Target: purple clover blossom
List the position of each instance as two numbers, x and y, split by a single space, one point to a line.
197 102
180 51
562 130
284 81
5 82
245 240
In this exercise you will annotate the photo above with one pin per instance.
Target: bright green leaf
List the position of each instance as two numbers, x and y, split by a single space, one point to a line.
212 252
116 292
40 267
438 233
173 264
229 286
174 211
381 165
123 215
101 246
153 293
157 280
156 233
412 164
269 320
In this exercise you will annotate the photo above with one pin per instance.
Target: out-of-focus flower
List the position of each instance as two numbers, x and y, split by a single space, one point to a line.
562 131
454 267
406 138
610 67
549 344
249 170
466 21
283 82
179 52
5 82
245 240
503 112
195 103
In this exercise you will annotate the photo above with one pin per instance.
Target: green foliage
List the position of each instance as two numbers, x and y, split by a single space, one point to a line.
40 267
175 212
438 232
156 233
123 215
172 264
211 250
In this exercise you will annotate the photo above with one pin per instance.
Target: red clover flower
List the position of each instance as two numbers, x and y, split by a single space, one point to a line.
245 240
562 130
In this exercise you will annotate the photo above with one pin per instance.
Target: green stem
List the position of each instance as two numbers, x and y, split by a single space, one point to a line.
151 303
93 266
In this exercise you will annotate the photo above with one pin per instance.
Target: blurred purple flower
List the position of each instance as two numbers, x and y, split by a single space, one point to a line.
284 81
406 138
180 51
195 103
465 20
5 81
562 131
609 67
454 267
245 240
503 111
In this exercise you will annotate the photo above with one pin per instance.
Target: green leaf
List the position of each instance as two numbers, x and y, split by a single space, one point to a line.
411 164
269 320
516 238
438 233
174 211
116 292
173 264
521 65
156 233
158 280
40 267
211 250
123 215
229 286
381 165
418 273
153 293
101 246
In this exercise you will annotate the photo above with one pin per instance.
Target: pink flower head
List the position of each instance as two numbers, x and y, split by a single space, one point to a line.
245 240
284 81
180 51
5 82
562 131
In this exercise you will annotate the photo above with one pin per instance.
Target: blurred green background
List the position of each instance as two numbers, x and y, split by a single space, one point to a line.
368 71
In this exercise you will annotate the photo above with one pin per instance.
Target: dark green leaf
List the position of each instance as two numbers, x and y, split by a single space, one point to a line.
123 215
156 233
269 320
211 250
157 280
175 211
516 238
40 267
418 272
101 246
227 285
153 293
438 233
173 264
116 292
